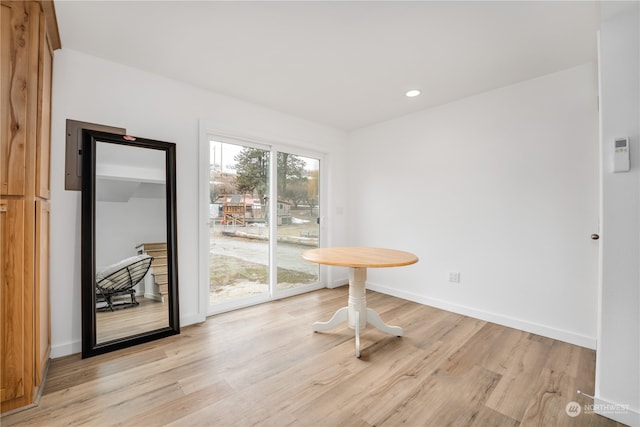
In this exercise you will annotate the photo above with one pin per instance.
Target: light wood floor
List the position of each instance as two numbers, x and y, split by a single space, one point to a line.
149 315
262 366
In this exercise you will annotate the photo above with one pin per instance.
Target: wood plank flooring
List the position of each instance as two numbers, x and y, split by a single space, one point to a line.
263 366
149 315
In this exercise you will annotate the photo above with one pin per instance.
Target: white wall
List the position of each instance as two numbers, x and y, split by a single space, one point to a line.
94 90
618 361
121 227
501 187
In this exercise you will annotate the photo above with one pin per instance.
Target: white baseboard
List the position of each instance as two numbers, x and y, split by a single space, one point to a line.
512 322
154 297
73 347
66 349
191 319
338 283
617 412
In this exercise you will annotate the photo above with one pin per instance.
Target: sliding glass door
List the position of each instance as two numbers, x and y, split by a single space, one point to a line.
238 218
262 216
298 220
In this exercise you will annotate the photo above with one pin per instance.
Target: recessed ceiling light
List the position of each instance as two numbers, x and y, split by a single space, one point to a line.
413 92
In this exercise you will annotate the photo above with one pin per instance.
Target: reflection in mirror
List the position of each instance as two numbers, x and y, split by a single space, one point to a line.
131 236
130 294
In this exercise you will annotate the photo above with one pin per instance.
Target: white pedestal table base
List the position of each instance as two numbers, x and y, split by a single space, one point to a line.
356 312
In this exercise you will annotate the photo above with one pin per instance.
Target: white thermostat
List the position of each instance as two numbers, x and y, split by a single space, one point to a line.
621 155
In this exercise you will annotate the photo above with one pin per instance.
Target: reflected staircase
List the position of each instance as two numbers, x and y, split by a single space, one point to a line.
159 270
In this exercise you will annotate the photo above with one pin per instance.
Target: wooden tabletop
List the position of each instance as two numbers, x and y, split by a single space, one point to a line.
360 257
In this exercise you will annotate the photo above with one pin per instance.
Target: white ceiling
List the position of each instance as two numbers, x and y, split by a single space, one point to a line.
342 64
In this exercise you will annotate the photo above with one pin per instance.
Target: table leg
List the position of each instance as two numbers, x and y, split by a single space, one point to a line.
339 317
356 313
376 322
357 334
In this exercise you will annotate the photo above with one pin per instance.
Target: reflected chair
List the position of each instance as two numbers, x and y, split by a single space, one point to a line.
120 279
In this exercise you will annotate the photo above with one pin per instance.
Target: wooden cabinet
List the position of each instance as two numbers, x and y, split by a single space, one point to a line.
29 35
12 295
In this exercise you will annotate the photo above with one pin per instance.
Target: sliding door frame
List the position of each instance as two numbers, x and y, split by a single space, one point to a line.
208 132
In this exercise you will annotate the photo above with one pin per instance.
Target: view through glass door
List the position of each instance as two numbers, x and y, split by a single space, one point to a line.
246 265
298 219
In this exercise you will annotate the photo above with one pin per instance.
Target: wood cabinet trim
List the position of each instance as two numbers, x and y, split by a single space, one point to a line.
42 309
43 138
49 10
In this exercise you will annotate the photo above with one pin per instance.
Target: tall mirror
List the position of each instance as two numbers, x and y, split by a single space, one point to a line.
129 268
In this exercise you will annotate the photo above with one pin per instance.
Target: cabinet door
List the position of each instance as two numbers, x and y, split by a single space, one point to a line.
12 283
43 144
42 323
18 62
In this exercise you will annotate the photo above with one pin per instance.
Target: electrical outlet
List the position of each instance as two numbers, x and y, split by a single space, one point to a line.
454 277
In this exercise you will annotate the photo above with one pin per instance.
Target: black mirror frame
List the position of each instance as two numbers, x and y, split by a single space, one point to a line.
90 347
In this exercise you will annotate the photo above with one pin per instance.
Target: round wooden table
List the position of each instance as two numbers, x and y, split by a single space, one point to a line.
358 259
